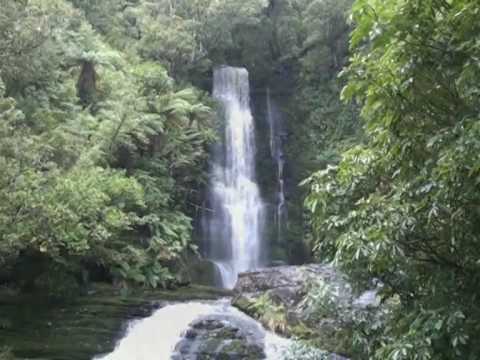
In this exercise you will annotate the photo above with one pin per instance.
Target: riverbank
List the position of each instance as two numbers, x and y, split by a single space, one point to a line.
34 327
194 320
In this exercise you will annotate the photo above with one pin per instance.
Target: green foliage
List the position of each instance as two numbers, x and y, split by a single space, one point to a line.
269 313
100 148
403 207
299 350
326 126
324 300
186 37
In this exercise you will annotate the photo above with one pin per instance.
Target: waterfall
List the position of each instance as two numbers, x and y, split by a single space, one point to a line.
277 135
233 224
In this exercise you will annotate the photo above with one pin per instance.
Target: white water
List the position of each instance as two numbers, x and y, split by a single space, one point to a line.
234 226
155 338
274 119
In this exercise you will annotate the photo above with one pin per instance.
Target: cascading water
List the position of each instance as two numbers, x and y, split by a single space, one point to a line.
277 135
160 336
232 226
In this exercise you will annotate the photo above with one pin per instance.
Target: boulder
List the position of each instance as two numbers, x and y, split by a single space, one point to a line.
203 272
279 298
288 284
217 338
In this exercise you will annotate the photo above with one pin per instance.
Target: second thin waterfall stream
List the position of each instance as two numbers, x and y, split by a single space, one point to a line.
233 224
277 136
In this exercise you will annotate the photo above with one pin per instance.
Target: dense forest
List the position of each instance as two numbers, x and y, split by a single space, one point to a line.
107 122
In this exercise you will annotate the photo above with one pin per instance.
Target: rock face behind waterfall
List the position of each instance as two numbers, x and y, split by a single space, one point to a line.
278 297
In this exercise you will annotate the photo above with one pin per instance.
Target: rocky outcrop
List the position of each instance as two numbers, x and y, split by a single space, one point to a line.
287 284
314 301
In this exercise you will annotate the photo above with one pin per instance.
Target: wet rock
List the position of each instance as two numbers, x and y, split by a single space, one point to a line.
278 263
286 286
218 339
208 325
191 334
202 272
278 294
285 283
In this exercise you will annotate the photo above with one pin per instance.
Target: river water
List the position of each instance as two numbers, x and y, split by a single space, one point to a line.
158 336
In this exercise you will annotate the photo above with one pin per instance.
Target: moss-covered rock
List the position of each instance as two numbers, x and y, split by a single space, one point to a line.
272 314
204 272
245 304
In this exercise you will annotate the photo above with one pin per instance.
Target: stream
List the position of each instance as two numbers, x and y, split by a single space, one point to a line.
198 330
